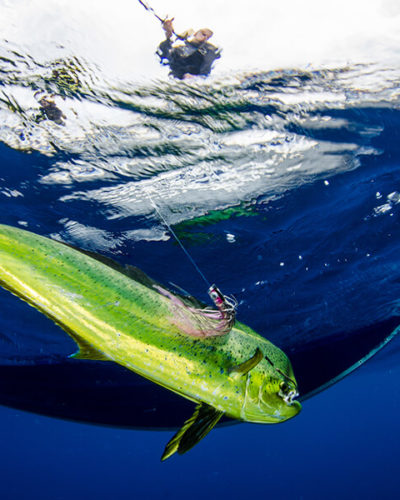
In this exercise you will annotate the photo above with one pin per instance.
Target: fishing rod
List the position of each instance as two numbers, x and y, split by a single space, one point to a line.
151 10
162 21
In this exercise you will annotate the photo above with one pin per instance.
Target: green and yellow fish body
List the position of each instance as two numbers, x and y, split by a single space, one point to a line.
159 335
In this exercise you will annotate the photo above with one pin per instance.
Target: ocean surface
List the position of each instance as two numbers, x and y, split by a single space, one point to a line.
284 187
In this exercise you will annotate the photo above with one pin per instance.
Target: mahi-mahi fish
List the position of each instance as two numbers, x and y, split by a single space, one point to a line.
125 317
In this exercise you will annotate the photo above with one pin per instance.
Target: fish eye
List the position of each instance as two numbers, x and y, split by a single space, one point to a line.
284 387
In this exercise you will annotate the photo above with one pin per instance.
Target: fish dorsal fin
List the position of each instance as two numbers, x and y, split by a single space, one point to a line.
204 418
136 274
186 297
97 256
87 351
246 366
128 270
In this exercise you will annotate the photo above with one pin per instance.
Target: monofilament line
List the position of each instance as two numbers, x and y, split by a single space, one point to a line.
177 239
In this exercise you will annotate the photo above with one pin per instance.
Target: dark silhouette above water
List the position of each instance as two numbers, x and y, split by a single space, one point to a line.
188 54
49 110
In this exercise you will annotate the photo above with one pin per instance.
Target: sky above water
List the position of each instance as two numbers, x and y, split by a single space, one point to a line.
121 36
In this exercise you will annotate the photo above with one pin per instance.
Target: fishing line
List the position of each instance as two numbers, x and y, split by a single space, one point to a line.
227 305
176 237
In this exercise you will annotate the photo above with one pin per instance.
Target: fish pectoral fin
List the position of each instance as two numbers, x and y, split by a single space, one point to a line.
204 418
248 365
87 351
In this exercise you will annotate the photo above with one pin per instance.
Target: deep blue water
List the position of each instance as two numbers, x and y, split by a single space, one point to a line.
343 444
285 188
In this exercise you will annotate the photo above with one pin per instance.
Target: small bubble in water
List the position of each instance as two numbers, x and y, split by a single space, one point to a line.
281 264
378 195
231 238
326 183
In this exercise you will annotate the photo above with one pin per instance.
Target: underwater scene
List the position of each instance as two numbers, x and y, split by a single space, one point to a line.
200 210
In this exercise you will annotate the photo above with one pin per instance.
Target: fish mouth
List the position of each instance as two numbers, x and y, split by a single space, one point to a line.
289 397
288 391
294 407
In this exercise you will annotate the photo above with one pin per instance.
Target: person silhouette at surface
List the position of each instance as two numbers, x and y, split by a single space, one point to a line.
193 56
49 109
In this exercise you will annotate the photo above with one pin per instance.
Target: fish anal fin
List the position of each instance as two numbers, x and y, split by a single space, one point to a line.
246 366
204 418
87 351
